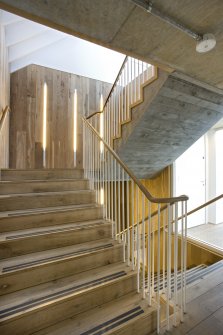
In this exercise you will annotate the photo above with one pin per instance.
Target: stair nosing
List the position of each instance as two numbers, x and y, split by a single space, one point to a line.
79 226
69 296
46 210
58 260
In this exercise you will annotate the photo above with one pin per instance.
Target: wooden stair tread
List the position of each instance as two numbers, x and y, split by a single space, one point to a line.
34 232
23 262
36 181
36 211
105 319
14 304
39 194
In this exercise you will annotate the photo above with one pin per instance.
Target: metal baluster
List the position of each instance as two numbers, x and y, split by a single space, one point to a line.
182 264
143 246
115 199
138 241
128 90
119 206
158 273
133 222
123 212
175 263
168 294
164 248
149 252
185 254
128 232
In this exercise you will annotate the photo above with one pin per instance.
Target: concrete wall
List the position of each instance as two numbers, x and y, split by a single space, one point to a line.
4 97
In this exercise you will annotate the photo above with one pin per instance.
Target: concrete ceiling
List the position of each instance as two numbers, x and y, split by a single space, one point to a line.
122 26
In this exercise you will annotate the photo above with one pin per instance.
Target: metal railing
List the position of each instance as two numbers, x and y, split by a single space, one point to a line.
126 92
150 248
202 242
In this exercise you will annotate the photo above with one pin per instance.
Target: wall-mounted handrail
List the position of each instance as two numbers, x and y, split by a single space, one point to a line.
111 90
168 200
3 116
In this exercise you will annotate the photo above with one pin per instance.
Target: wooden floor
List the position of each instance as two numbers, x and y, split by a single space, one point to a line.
209 233
204 308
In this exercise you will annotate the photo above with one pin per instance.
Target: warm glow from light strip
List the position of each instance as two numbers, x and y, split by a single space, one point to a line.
101 122
44 122
44 114
75 126
102 196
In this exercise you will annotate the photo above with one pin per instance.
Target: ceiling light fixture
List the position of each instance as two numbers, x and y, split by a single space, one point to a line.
205 42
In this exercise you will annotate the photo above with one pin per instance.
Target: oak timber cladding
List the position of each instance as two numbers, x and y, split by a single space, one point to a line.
26 131
4 97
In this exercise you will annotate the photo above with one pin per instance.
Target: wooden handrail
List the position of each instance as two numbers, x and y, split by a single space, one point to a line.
204 205
113 86
4 113
132 176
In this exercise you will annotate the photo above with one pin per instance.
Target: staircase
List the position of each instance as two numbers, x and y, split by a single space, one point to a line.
60 270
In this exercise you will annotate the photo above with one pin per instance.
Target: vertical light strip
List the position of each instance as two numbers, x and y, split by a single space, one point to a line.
101 123
44 122
75 128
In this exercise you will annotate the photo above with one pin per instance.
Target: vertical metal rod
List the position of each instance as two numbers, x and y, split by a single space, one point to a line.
182 265
119 206
164 249
175 263
114 223
168 291
138 242
153 256
158 273
128 232
115 200
185 255
128 86
123 212
139 84
135 90
149 252
143 246
131 82
133 228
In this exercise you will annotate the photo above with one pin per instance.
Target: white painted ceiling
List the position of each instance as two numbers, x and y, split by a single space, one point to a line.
32 43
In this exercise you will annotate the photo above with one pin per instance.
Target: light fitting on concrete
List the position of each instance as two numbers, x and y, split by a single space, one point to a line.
207 43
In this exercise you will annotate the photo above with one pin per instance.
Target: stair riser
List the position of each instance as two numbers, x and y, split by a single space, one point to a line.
40 174
11 223
43 186
46 200
51 271
36 320
50 241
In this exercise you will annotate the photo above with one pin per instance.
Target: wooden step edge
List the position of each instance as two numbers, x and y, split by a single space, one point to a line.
44 181
124 315
44 262
47 210
62 296
47 193
51 230
44 169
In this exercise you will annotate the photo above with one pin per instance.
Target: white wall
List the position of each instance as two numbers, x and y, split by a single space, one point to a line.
69 54
4 96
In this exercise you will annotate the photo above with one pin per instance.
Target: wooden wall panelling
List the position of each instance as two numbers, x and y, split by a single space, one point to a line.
28 115
4 98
